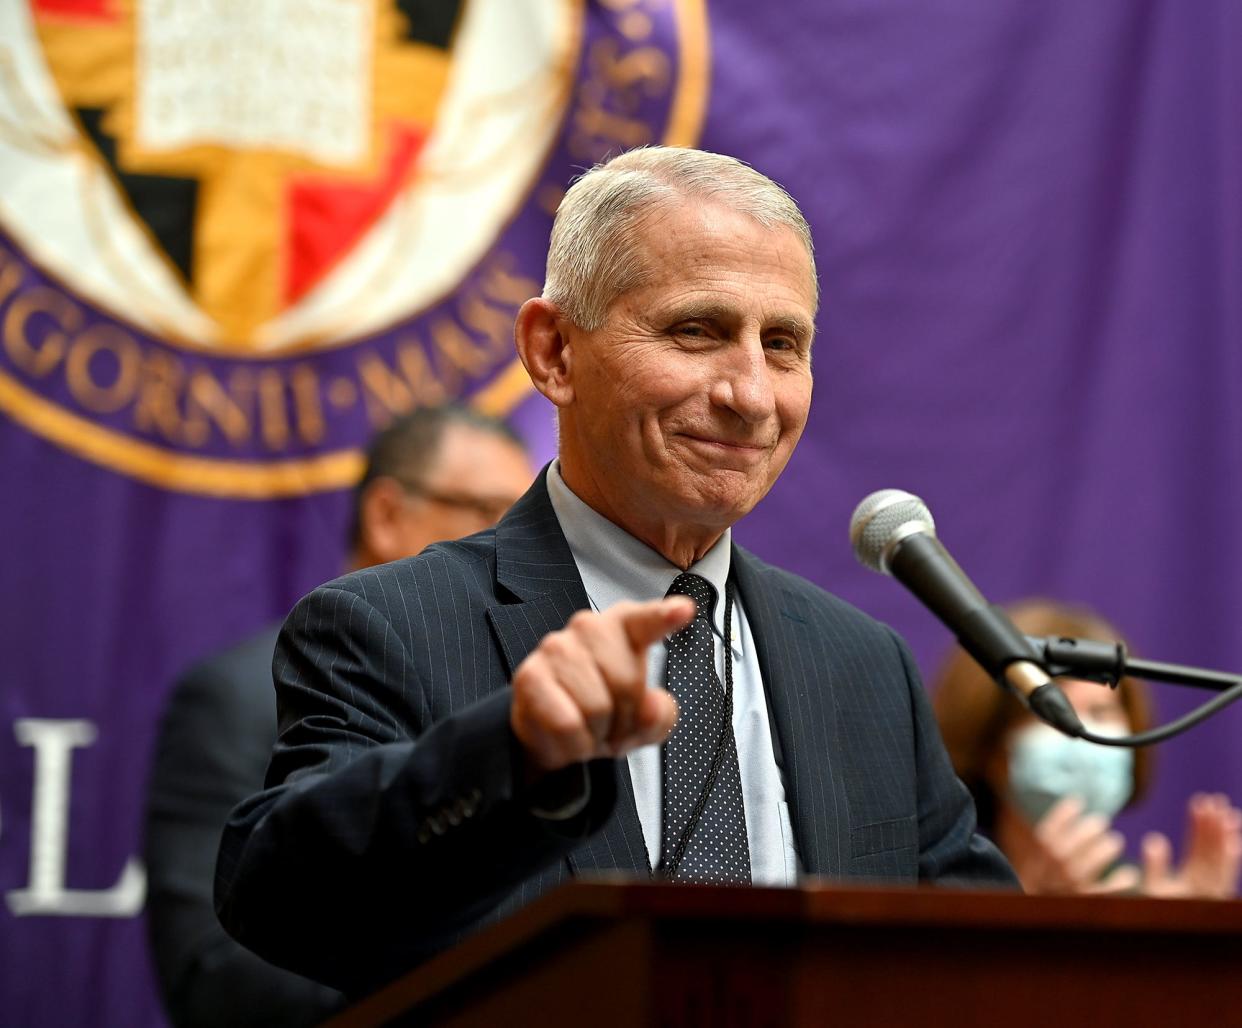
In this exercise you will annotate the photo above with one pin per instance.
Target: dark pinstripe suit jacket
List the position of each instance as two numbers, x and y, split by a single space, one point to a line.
395 818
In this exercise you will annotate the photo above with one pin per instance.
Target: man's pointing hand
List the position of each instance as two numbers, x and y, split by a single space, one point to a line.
582 693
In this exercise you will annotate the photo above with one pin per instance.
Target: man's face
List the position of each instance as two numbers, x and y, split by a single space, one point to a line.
688 402
475 478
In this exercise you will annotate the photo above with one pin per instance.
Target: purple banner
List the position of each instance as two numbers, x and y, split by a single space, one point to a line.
1028 227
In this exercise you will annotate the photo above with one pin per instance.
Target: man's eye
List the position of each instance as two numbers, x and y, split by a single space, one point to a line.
692 330
782 343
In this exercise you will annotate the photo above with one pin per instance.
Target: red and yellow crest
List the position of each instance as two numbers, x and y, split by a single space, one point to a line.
256 143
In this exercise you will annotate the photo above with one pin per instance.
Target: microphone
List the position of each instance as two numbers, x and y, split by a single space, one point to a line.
893 532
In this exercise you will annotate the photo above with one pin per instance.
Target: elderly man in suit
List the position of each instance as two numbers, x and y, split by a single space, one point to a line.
605 681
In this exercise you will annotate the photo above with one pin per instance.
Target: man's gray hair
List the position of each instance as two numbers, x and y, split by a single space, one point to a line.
594 255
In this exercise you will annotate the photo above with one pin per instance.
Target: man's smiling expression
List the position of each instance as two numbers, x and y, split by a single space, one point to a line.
687 403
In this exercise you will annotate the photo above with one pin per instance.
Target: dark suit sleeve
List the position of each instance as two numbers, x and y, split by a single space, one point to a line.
212 751
387 827
951 851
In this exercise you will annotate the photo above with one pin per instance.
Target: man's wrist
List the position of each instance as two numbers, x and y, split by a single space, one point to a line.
560 795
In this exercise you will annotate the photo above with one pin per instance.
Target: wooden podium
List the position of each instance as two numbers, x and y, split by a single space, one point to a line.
603 953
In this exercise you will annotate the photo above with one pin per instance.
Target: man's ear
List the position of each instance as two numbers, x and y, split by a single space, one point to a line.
379 521
544 349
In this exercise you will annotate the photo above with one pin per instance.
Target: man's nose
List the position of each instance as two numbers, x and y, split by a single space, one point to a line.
744 385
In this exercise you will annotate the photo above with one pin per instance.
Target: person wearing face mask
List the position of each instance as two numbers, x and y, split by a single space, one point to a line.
1048 800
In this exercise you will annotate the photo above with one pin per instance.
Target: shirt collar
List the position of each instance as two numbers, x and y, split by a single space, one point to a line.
615 566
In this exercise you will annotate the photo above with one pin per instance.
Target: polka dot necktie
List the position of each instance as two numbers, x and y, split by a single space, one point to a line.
704 832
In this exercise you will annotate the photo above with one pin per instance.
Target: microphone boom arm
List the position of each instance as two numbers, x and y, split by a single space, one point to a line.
1108 663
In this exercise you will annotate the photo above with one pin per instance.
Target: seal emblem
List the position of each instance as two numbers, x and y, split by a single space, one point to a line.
238 237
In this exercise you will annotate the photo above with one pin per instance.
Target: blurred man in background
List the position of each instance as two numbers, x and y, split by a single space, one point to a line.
434 475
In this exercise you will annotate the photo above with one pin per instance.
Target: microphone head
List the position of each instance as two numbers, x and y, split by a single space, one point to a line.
882 521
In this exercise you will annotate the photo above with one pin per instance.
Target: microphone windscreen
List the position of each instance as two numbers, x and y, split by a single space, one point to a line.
882 520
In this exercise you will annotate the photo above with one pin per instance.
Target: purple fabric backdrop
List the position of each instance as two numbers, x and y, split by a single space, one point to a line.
1029 237
1028 219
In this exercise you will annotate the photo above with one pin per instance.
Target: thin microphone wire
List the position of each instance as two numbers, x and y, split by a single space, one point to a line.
1173 728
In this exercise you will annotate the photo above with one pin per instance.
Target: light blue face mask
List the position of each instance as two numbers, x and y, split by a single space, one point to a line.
1046 766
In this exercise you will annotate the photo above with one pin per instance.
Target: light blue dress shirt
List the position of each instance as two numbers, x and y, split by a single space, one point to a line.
615 566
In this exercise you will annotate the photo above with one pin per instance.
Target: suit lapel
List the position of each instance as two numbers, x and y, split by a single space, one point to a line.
519 626
535 566
798 680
